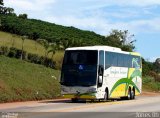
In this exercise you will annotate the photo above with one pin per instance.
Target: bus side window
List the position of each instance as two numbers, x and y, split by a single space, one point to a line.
114 59
100 68
107 60
101 58
120 60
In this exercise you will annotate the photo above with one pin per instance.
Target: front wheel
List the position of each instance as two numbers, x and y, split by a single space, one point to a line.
74 100
131 94
106 96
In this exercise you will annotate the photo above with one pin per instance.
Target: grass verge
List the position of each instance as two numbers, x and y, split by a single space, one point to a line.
23 81
149 84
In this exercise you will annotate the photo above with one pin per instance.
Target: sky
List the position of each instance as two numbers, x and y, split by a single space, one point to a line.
139 17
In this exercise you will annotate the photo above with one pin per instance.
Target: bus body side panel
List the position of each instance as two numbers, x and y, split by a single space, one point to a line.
112 80
119 86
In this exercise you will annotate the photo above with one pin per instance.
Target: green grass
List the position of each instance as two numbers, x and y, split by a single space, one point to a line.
30 46
149 84
21 81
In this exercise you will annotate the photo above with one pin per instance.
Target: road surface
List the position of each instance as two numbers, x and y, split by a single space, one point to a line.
143 106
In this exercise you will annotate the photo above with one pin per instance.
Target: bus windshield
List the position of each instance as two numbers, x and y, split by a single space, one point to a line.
87 57
79 68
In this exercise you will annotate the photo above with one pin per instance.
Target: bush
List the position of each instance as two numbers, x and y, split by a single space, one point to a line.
147 67
4 50
18 54
155 76
34 58
147 80
12 52
49 63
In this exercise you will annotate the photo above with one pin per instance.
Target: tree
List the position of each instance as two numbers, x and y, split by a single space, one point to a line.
121 39
9 10
23 16
13 39
157 65
52 49
35 37
72 42
4 10
65 42
23 38
1 6
45 44
114 39
0 22
1 2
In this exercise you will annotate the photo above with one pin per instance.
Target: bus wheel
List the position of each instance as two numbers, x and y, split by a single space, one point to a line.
129 97
132 94
74 100
106 96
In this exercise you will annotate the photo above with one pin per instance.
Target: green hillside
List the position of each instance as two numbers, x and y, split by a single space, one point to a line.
20 80
6 39
30 46
50 31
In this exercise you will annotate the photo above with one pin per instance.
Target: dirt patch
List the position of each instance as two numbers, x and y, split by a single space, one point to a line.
146 93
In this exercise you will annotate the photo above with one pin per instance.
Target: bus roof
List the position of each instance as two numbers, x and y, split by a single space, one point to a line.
106 48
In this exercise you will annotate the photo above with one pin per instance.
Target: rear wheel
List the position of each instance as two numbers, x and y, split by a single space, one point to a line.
129 97
132 94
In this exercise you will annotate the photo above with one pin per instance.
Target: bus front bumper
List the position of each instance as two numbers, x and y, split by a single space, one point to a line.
81 96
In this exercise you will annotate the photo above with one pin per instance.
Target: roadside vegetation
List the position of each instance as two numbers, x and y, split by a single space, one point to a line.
151 76
22 81
149 84
33 51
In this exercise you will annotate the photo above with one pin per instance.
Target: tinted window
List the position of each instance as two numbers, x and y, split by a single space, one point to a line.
111 59
88 57
122 60
127 62
101 58
108 59
136 62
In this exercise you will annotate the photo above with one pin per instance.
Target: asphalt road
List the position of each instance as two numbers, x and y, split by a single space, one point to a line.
142 106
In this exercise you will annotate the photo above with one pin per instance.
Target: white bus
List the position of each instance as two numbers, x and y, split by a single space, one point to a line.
100 72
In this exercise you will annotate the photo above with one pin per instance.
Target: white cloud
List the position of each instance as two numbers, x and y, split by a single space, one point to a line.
153 59
137 3
33 5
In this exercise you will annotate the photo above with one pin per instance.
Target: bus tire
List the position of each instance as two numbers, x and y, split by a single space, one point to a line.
74 100
129 96
106 96
133 94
